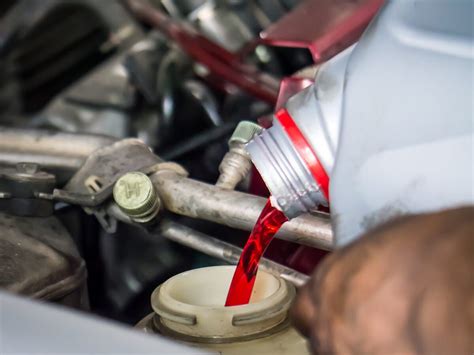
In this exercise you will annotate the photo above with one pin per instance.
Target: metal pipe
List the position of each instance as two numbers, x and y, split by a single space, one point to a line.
235 209
211 246
54 151
224 251
67 151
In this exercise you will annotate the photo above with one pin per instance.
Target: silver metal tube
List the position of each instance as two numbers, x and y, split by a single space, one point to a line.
213 247
67 151
235 166
235 209
224 251
52 150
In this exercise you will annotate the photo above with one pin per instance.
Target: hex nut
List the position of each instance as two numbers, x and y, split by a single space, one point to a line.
244 132
135 194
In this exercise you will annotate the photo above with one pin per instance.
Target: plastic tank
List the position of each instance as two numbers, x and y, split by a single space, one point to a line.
189 307
387 128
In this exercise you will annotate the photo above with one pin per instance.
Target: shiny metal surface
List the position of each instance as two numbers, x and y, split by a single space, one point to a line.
224 251
239 210
53 151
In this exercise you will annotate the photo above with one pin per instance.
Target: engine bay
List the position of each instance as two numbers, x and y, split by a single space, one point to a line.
124 128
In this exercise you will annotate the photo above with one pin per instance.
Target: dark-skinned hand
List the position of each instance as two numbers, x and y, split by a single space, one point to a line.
405 288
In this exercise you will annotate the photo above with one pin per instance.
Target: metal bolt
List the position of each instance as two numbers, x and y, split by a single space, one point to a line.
236 163
244 133
135 194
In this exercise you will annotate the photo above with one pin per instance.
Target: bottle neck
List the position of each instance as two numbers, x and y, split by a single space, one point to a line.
297 154
286 170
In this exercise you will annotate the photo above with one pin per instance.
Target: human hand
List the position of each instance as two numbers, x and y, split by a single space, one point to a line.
405 288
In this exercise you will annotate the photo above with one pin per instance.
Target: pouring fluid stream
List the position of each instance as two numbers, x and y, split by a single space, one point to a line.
268 224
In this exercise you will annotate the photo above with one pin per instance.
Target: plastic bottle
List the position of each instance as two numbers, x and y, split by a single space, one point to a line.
387 128
189 307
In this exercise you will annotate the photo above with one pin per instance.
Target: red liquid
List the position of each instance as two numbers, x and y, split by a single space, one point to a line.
268 223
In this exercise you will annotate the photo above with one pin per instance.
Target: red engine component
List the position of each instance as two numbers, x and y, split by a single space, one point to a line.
324 27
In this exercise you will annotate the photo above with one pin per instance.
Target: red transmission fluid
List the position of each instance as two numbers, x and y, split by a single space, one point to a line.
268 223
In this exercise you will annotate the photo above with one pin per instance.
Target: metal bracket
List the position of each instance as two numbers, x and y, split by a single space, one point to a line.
93 183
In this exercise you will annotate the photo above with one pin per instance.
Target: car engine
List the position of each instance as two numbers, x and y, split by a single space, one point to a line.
106 103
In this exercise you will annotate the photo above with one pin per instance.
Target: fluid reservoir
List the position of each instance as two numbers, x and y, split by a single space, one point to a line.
387 128
189 307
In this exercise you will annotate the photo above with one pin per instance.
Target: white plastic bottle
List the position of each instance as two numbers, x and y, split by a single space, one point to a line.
387 128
